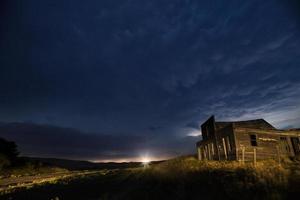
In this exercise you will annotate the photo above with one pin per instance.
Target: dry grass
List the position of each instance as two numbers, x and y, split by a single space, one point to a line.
180 178
267 180
268 169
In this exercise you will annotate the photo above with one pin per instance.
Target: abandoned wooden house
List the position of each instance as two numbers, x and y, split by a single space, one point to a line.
246 140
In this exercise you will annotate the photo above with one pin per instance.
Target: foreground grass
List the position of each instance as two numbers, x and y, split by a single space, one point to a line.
29 169
181 178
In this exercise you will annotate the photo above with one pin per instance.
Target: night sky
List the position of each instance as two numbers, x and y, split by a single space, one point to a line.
118 80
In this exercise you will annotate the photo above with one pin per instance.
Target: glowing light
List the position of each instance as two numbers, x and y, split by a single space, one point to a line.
146 161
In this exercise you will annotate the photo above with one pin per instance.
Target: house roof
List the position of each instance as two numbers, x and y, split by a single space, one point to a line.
256 123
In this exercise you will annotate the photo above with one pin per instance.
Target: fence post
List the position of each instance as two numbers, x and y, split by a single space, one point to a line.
238 156
243 154
199 153
224 148
254 157
209 153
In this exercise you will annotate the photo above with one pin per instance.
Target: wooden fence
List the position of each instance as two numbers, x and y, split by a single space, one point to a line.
253 155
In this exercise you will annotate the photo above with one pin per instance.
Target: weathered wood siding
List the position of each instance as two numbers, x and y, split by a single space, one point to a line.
208 129
269 144
246 140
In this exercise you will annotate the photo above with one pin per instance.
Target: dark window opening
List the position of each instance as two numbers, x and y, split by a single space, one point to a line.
253 140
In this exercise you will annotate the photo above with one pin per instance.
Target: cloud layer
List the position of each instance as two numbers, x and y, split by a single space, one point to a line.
148 69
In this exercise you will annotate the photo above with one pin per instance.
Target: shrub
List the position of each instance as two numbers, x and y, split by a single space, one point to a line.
4 162
8 149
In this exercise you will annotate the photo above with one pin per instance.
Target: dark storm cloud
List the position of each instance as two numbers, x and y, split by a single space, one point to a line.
152 69
50 140
194 125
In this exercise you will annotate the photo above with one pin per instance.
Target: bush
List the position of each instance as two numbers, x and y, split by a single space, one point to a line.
9 149
4 162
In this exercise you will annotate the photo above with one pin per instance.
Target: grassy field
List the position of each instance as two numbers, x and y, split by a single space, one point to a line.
180 178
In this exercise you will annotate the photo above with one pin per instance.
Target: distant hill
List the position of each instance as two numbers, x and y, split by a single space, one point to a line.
82 165
85 165
295 129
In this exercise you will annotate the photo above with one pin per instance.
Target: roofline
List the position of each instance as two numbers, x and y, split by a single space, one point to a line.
269 131
241 121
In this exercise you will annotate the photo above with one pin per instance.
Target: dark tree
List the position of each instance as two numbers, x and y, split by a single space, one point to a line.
8 149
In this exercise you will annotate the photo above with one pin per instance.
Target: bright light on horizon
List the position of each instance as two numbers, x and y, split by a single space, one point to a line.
146 160
142 158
